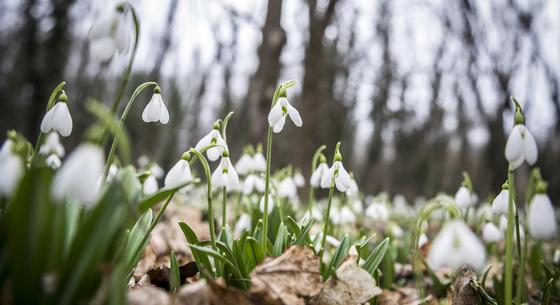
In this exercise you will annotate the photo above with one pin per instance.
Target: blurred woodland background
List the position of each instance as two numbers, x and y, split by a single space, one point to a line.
416 90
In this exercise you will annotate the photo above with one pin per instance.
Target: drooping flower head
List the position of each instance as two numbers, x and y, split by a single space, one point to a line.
12 167
109 35
520 145
501 202
465 197
541 218
79 177
58 118
155 110
342 179
213 137
225 174
277 115
318 173
52 145
180 172
456 245
491 233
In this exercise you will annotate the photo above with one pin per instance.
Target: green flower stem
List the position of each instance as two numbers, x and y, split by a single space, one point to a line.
264 235
224 199
126 75
326 226
519 294
111 156
50 104
509 241
280 206
208 174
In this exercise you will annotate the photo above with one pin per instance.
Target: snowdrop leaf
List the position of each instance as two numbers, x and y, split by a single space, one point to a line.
338 256
279 242
162 194
374 259
201 259
547 290
174 274
136 240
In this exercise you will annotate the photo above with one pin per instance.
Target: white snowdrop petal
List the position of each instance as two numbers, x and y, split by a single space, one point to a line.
205 141
275 114
217 178
270 204
151 112
179 173
491 233
463 197
279 125
259 162
294 115
150 185
529 147
62 119
541 218
11 172
514 144
326 179
102 49
164 114
213 153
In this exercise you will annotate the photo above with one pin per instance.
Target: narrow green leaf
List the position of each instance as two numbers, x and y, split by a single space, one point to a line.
374 259
135 238
545 300
174 274
279 242
338 256
161 195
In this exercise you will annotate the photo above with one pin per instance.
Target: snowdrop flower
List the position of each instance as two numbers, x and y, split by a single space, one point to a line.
52 145
491 233
347 216
456 245
299 180
253 183
335 216
313 213
225 175
180 172
53 161
155 110
485 212
287 188
377 212
150 185
357 206
353 189
278 113
213 137
259 162
541 218
520 145
108 36
79 177
464 198
270 204
58 118
501 202
318 173
156 170
12 168
242 224
244 165
113 171
422 240
397 231
341 177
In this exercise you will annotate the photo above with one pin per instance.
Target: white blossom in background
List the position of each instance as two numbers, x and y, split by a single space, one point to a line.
521 146
155 110
150 185
287 188
53 161
299 179
180 173
156 170
244 165
12 168
213 137
52 145
314 213
377 212
225 175
58 119
491 233
342 179
501 203
278 113
396 231
259 162
79 176
485 212
253 183
357 206
108 36
242 224
317 174
347 216
270 204
113 170
456 245
464 198
541 218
